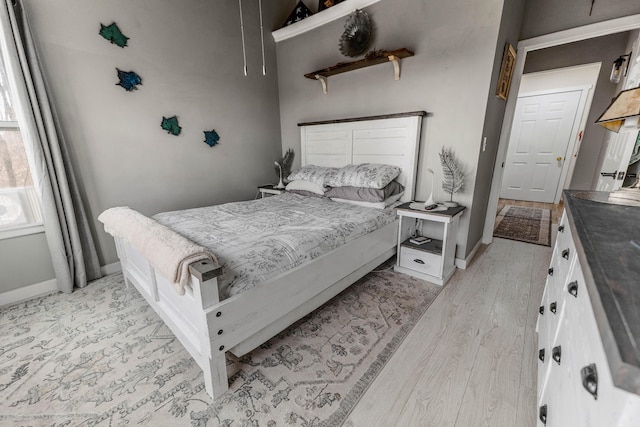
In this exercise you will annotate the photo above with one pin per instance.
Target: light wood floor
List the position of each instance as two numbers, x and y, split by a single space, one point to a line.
471 360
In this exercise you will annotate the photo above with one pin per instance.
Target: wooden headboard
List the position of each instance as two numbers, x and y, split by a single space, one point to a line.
391 139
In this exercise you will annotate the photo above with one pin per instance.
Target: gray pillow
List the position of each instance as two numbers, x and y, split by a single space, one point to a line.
365 194
312 173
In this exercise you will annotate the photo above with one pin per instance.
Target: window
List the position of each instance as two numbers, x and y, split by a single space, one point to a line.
19 205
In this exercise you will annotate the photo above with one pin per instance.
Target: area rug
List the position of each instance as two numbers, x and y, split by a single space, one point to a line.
531 225
102 357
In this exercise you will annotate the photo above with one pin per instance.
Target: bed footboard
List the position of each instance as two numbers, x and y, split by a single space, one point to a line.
185 315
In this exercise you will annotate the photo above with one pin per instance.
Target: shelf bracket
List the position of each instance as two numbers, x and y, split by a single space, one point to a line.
323 80
396 66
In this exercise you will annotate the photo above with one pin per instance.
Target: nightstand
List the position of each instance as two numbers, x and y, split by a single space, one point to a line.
267 190
433 261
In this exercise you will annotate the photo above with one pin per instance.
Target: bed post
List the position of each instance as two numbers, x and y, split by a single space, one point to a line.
204 280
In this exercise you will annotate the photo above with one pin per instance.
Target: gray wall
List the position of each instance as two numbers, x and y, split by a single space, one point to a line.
450 76
25 261
548 16
602 49
509 30
189 55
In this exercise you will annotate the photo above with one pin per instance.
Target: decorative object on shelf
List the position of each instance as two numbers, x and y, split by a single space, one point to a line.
357 34
506 71
616 68
298 13
171 125
430 201
377 57
325 4
283 167
113 34
211 137
129 80
623 112
453 179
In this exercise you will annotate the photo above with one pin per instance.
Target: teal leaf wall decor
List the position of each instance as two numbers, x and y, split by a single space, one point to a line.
211 137
113 34
128 80
171 125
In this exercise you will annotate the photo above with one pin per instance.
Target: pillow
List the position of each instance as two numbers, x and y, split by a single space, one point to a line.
305 186
377 205
305 192
365 194
370 175
312 173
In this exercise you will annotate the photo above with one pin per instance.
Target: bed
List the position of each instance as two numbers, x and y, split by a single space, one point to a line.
214 316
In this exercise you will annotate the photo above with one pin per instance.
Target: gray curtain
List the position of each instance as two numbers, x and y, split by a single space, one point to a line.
73 252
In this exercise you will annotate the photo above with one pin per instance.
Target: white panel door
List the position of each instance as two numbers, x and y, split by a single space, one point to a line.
541 131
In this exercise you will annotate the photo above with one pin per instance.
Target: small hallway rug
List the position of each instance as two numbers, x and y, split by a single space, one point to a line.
102 357
525 224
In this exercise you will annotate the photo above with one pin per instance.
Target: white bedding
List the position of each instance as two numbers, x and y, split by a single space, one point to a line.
260 239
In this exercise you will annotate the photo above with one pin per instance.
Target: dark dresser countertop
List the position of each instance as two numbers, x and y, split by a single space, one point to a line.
611 265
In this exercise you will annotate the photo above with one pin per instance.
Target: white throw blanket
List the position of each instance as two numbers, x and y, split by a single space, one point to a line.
167 251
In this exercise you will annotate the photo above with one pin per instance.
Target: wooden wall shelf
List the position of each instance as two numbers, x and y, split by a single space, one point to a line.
392 56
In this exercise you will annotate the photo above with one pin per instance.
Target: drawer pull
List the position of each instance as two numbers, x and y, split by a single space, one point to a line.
572 287
553 307
561 228
590 379
541 355
565 254
542 414
556 353
551 271
419 261
541 310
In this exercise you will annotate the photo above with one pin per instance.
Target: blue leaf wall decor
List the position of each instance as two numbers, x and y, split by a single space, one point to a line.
211 137
113 34
171 125
129 80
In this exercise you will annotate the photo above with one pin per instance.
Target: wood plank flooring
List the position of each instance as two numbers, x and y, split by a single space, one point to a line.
470 360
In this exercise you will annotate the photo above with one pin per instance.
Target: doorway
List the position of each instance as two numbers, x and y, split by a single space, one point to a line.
561 38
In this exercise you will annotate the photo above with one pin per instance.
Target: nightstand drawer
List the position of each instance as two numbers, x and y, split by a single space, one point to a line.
424 262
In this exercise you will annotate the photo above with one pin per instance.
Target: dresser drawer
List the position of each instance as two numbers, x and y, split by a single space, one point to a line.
424 262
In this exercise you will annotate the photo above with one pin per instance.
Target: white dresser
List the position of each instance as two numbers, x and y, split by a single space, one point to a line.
575 385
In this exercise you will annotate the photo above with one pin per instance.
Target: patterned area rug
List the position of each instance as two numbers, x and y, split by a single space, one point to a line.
101 356
531 225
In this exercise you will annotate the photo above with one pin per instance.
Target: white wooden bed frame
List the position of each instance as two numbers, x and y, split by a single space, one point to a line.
208 327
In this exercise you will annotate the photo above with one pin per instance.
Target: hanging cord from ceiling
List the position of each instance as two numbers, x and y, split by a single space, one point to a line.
244 50
264 68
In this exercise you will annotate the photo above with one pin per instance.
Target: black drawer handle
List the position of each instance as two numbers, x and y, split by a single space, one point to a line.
565 254
419 261
572 287
590 379
556 353
541 310
553 307
551 271
561 228
541 355
542 414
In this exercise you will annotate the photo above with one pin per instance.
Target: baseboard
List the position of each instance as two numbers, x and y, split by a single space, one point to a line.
111 268
463 263
28 292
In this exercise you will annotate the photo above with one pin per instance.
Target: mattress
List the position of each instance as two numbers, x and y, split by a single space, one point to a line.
257 240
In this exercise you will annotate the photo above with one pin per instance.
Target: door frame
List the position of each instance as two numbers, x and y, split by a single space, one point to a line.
618 25
577 126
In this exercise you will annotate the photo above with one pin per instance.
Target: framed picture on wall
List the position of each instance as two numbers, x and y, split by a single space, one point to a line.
506 71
